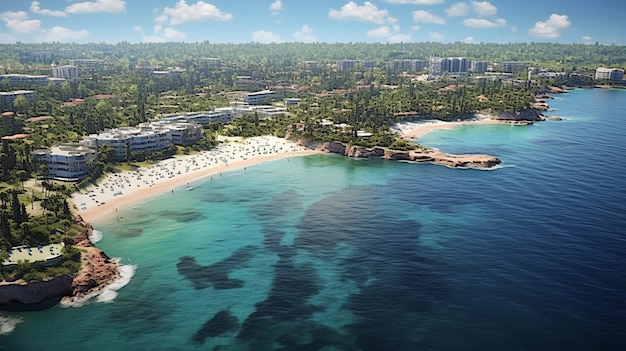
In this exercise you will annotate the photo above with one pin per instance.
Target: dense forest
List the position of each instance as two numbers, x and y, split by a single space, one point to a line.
121 91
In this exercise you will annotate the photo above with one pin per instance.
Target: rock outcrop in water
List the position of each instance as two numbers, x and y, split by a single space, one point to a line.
425 156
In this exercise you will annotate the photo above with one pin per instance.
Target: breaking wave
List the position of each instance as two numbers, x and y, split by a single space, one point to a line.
8 324
108 293
95 236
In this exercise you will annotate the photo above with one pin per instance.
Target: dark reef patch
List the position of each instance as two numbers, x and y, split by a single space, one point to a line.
287 301
215 275
222 322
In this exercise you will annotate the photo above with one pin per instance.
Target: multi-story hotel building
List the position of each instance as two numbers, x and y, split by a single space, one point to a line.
407 65
66 163
258 97
454 65
131 139
68 72
479 66
24 79
218 114
351 64
155 136
614 74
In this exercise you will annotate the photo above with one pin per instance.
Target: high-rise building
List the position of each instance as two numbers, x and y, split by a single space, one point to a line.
454 65
479 66
68 72
614 74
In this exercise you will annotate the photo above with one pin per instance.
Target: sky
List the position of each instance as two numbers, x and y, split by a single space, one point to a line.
266 21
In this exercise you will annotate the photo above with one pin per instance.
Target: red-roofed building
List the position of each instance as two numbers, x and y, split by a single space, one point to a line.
15 137
39 119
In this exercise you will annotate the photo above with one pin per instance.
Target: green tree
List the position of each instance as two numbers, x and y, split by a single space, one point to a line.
21 105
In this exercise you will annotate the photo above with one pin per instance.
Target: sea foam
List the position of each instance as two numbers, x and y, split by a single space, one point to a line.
108 293
8 324
95 236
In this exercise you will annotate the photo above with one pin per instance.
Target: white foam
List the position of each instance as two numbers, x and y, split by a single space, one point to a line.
106 294
8 324
95 236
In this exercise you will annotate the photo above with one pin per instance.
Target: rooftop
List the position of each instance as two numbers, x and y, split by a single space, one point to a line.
33 254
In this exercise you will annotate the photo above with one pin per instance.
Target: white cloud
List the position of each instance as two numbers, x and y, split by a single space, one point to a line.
161 34
200 11
57 33
379 32
305 35
35 8
427 17
19 23
23 28
484 8
415 27
458 9
586 38
415 2
484 23
276 7
366 13
110 6
265 37
399 38
468 40
161 19
551 28
172 34
435 36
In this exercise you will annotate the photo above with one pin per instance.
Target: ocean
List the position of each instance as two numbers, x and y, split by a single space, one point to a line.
329 253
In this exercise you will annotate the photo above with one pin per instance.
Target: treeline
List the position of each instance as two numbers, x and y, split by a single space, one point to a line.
284 55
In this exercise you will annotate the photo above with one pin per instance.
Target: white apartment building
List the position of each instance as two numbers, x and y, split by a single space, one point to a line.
479 66
218 114
66 163
614 74
24 79
182 133
258 97
131 139
68 72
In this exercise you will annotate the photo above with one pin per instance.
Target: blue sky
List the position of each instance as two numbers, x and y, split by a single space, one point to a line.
241 21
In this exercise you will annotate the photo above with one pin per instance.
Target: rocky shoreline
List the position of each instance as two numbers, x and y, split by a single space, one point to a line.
97 271
424 156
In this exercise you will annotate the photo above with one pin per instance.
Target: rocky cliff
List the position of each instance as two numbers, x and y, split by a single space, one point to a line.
426 155
34 294
97 271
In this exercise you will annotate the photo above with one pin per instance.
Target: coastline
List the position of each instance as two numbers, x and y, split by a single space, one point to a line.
416 130
121 190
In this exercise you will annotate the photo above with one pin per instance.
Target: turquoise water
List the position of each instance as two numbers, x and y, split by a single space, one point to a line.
326 252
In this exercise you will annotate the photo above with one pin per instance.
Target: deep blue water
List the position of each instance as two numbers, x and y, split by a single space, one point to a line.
330 253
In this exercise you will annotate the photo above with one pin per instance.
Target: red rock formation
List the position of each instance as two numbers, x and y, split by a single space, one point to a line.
97 271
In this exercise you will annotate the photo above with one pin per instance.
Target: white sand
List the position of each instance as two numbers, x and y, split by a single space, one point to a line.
414 130
119 190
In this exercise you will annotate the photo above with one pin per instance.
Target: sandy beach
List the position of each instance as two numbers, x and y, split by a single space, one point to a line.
414 130
120 190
